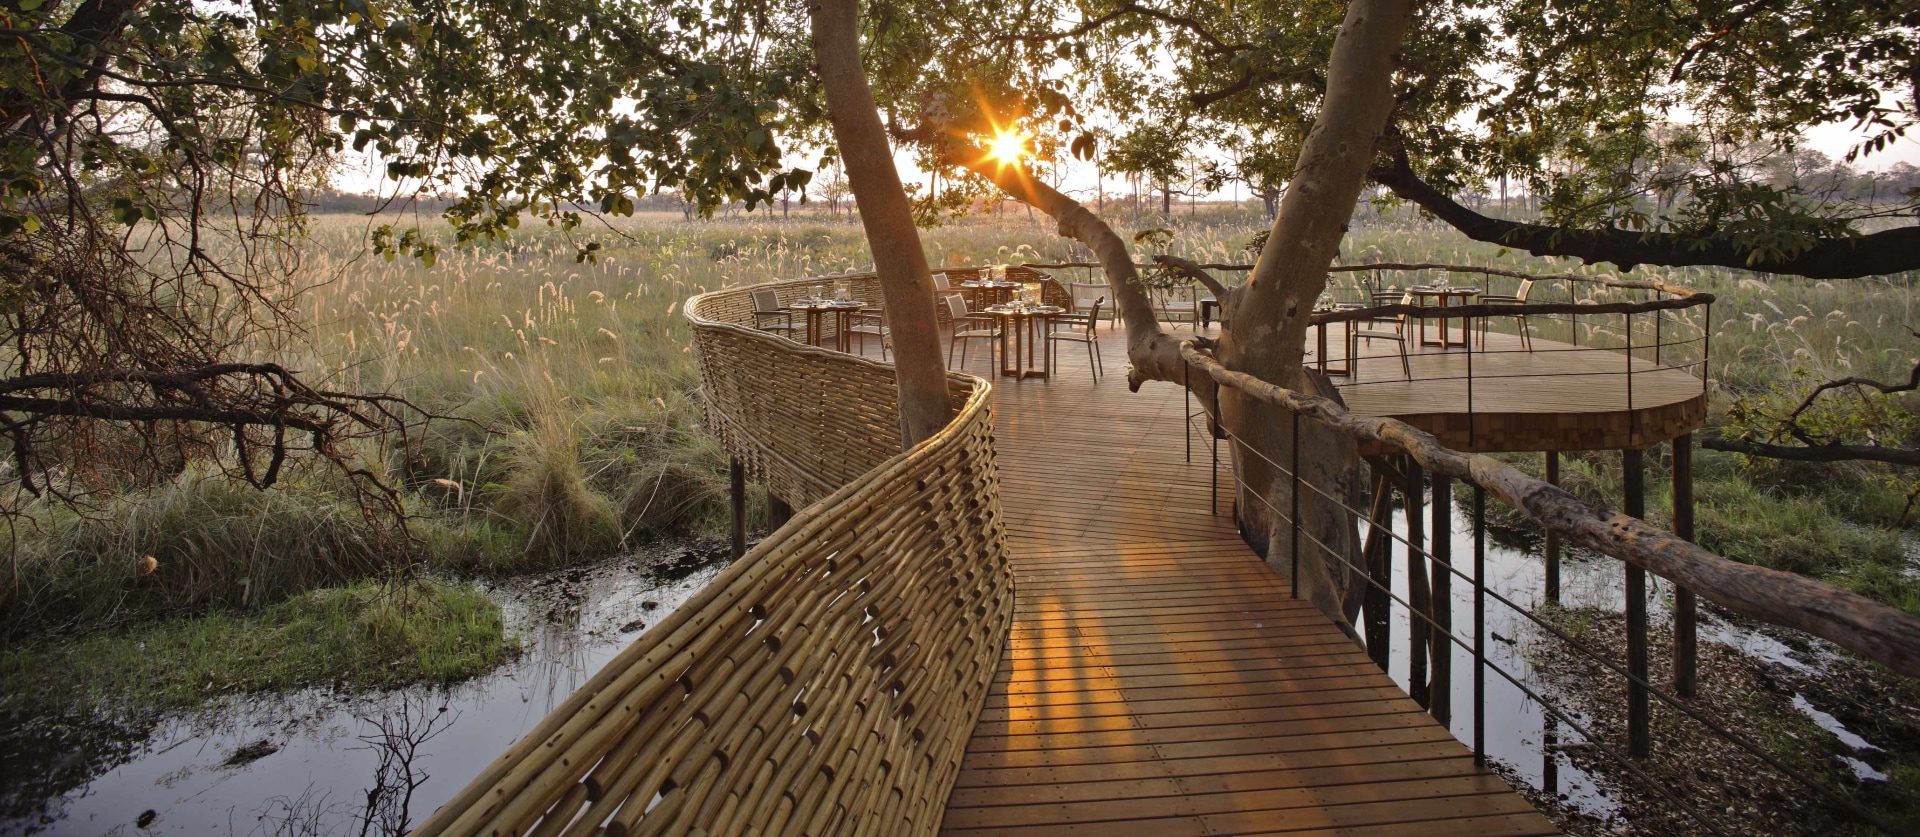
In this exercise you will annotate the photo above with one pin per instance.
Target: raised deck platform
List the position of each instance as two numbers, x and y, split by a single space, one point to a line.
1505 398
1159 678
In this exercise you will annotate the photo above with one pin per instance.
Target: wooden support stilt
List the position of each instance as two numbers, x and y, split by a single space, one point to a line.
737 491
1639 736
1418 594
1552 547
1378 553
1686 647
778 512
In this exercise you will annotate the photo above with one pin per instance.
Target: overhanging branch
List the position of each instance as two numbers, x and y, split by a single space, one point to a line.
1850 257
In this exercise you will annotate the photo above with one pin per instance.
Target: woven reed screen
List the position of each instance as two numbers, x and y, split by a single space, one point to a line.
827 682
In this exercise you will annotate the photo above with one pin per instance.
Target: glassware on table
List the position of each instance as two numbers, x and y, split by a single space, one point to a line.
818 292
1325 302
841 291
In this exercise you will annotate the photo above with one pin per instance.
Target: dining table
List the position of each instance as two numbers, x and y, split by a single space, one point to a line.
817 311
1021 328
985 292
1444 297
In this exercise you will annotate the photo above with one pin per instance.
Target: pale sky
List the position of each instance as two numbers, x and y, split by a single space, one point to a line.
365 173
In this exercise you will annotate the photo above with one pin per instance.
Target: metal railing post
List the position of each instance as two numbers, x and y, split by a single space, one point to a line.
1442 575
1639 736
1633 419
1479 624
1293 548
1419 602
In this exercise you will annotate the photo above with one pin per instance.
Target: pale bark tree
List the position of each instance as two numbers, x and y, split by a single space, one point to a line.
1268 317
906 283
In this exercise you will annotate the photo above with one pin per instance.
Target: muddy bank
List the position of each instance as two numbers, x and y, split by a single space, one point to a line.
320 761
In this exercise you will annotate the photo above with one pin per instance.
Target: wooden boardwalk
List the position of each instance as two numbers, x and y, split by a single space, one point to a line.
1159 679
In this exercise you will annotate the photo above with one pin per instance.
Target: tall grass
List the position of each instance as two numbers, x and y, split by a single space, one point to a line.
578 428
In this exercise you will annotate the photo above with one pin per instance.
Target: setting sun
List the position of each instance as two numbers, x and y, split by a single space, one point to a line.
1008 146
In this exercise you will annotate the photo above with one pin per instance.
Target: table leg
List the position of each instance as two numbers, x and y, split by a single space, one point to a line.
1008 346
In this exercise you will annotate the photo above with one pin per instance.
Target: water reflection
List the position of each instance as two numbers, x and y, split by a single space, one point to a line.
320 762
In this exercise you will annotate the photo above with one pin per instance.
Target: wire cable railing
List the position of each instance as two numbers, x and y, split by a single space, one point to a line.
1432 613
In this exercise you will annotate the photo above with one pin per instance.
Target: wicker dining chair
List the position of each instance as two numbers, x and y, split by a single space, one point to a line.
1381 328
1519 297
766 307
1081 328
968 327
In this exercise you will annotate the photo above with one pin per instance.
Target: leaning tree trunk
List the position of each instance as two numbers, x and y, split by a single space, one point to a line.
1269 329
1155 355
906 284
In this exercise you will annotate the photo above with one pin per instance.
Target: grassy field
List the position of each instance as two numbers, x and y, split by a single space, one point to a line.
579 426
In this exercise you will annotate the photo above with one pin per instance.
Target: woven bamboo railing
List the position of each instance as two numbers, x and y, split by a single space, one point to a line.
828 681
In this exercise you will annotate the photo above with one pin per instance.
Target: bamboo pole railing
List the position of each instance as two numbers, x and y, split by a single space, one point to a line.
826 682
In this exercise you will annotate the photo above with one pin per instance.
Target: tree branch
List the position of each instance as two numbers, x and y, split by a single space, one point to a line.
1817 453
1851 257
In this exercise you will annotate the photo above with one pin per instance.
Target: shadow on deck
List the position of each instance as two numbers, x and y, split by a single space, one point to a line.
1159 678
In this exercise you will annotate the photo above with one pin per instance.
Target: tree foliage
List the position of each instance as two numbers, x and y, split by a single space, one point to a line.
156 155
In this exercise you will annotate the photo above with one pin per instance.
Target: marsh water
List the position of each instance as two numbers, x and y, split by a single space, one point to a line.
317 762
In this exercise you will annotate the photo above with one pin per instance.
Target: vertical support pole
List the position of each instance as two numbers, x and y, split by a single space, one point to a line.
737 491
778 512
1293 515
1480 624
1379 555
1550 753
1417 592
1686 647
1186 412
1639 737
1552 547
1442 576
1213 473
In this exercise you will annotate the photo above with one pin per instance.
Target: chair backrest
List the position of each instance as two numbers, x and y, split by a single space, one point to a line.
1051 293
957 306
1526 287
1389 298
1093 317
1084 293
940 281
766 302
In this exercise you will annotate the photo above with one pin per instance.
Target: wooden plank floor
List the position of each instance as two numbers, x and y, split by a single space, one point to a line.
1159 679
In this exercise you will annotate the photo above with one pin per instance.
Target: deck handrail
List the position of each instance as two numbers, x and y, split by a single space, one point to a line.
829 679
1854 622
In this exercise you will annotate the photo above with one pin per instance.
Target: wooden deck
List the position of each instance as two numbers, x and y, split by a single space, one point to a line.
1159 679
1555 397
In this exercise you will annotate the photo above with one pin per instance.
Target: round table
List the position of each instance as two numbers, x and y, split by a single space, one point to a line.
817 311
1443 298
990 291
1018 324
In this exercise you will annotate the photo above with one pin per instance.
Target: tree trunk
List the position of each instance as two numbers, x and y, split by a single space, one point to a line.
1270 322
906 284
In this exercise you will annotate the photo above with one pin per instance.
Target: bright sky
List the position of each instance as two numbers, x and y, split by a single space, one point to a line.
365 174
